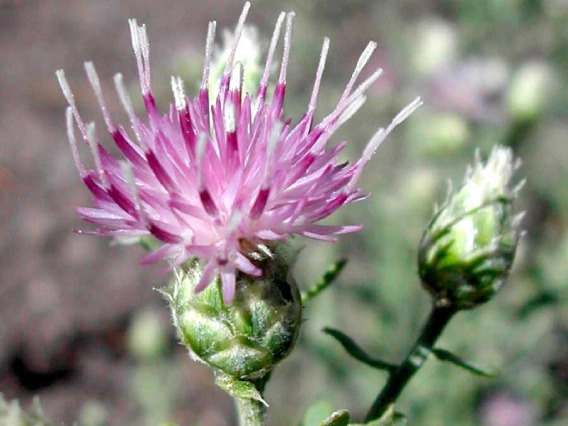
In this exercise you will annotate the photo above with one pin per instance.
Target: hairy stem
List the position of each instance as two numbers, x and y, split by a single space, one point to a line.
251 412
437 321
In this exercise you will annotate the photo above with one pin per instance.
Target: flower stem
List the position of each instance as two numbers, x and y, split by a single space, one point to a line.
251 412
437 321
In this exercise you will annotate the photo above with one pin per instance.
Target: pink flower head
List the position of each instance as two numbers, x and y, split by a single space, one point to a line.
213 179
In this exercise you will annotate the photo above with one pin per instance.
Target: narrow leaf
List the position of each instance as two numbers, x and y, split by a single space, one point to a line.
240 389
390 418
339 418
444 355
328 278
357 352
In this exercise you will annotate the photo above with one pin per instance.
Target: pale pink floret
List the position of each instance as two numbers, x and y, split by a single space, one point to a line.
208 179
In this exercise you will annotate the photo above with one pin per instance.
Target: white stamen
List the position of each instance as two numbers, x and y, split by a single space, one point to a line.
130 179
368 152
143 34
362 88
66 89
124 98
95 150
237 77
237 37
271 49
353 97
380 136
274 137
200 149
319 73
179 93
128 174
265 250
208 52
136 46
229 116
126 102
405 113
363 59
96 85
287 45
73 140
234 221
199 153
142 52
350 111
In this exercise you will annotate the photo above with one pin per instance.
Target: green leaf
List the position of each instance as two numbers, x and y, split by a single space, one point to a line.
339 418
357 352
240 389
328 278
444 355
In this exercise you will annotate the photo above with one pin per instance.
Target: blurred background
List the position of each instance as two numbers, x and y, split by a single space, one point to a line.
80 323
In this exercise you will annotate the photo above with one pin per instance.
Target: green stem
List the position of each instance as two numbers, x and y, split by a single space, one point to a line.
251 412
439 318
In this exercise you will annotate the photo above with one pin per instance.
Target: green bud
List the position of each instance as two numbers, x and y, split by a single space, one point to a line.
530 91
468 248
247 338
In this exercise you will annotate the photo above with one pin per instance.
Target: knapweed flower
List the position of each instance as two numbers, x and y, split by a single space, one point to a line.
222 179
468 249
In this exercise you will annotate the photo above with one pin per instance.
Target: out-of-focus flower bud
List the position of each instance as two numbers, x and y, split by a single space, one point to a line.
438 134
468 249
435 43
147 336
529 91
503 409
249 53
247 338
420 185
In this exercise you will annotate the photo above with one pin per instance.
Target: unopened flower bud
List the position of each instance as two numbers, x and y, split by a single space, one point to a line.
468 249
247 338
529 91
